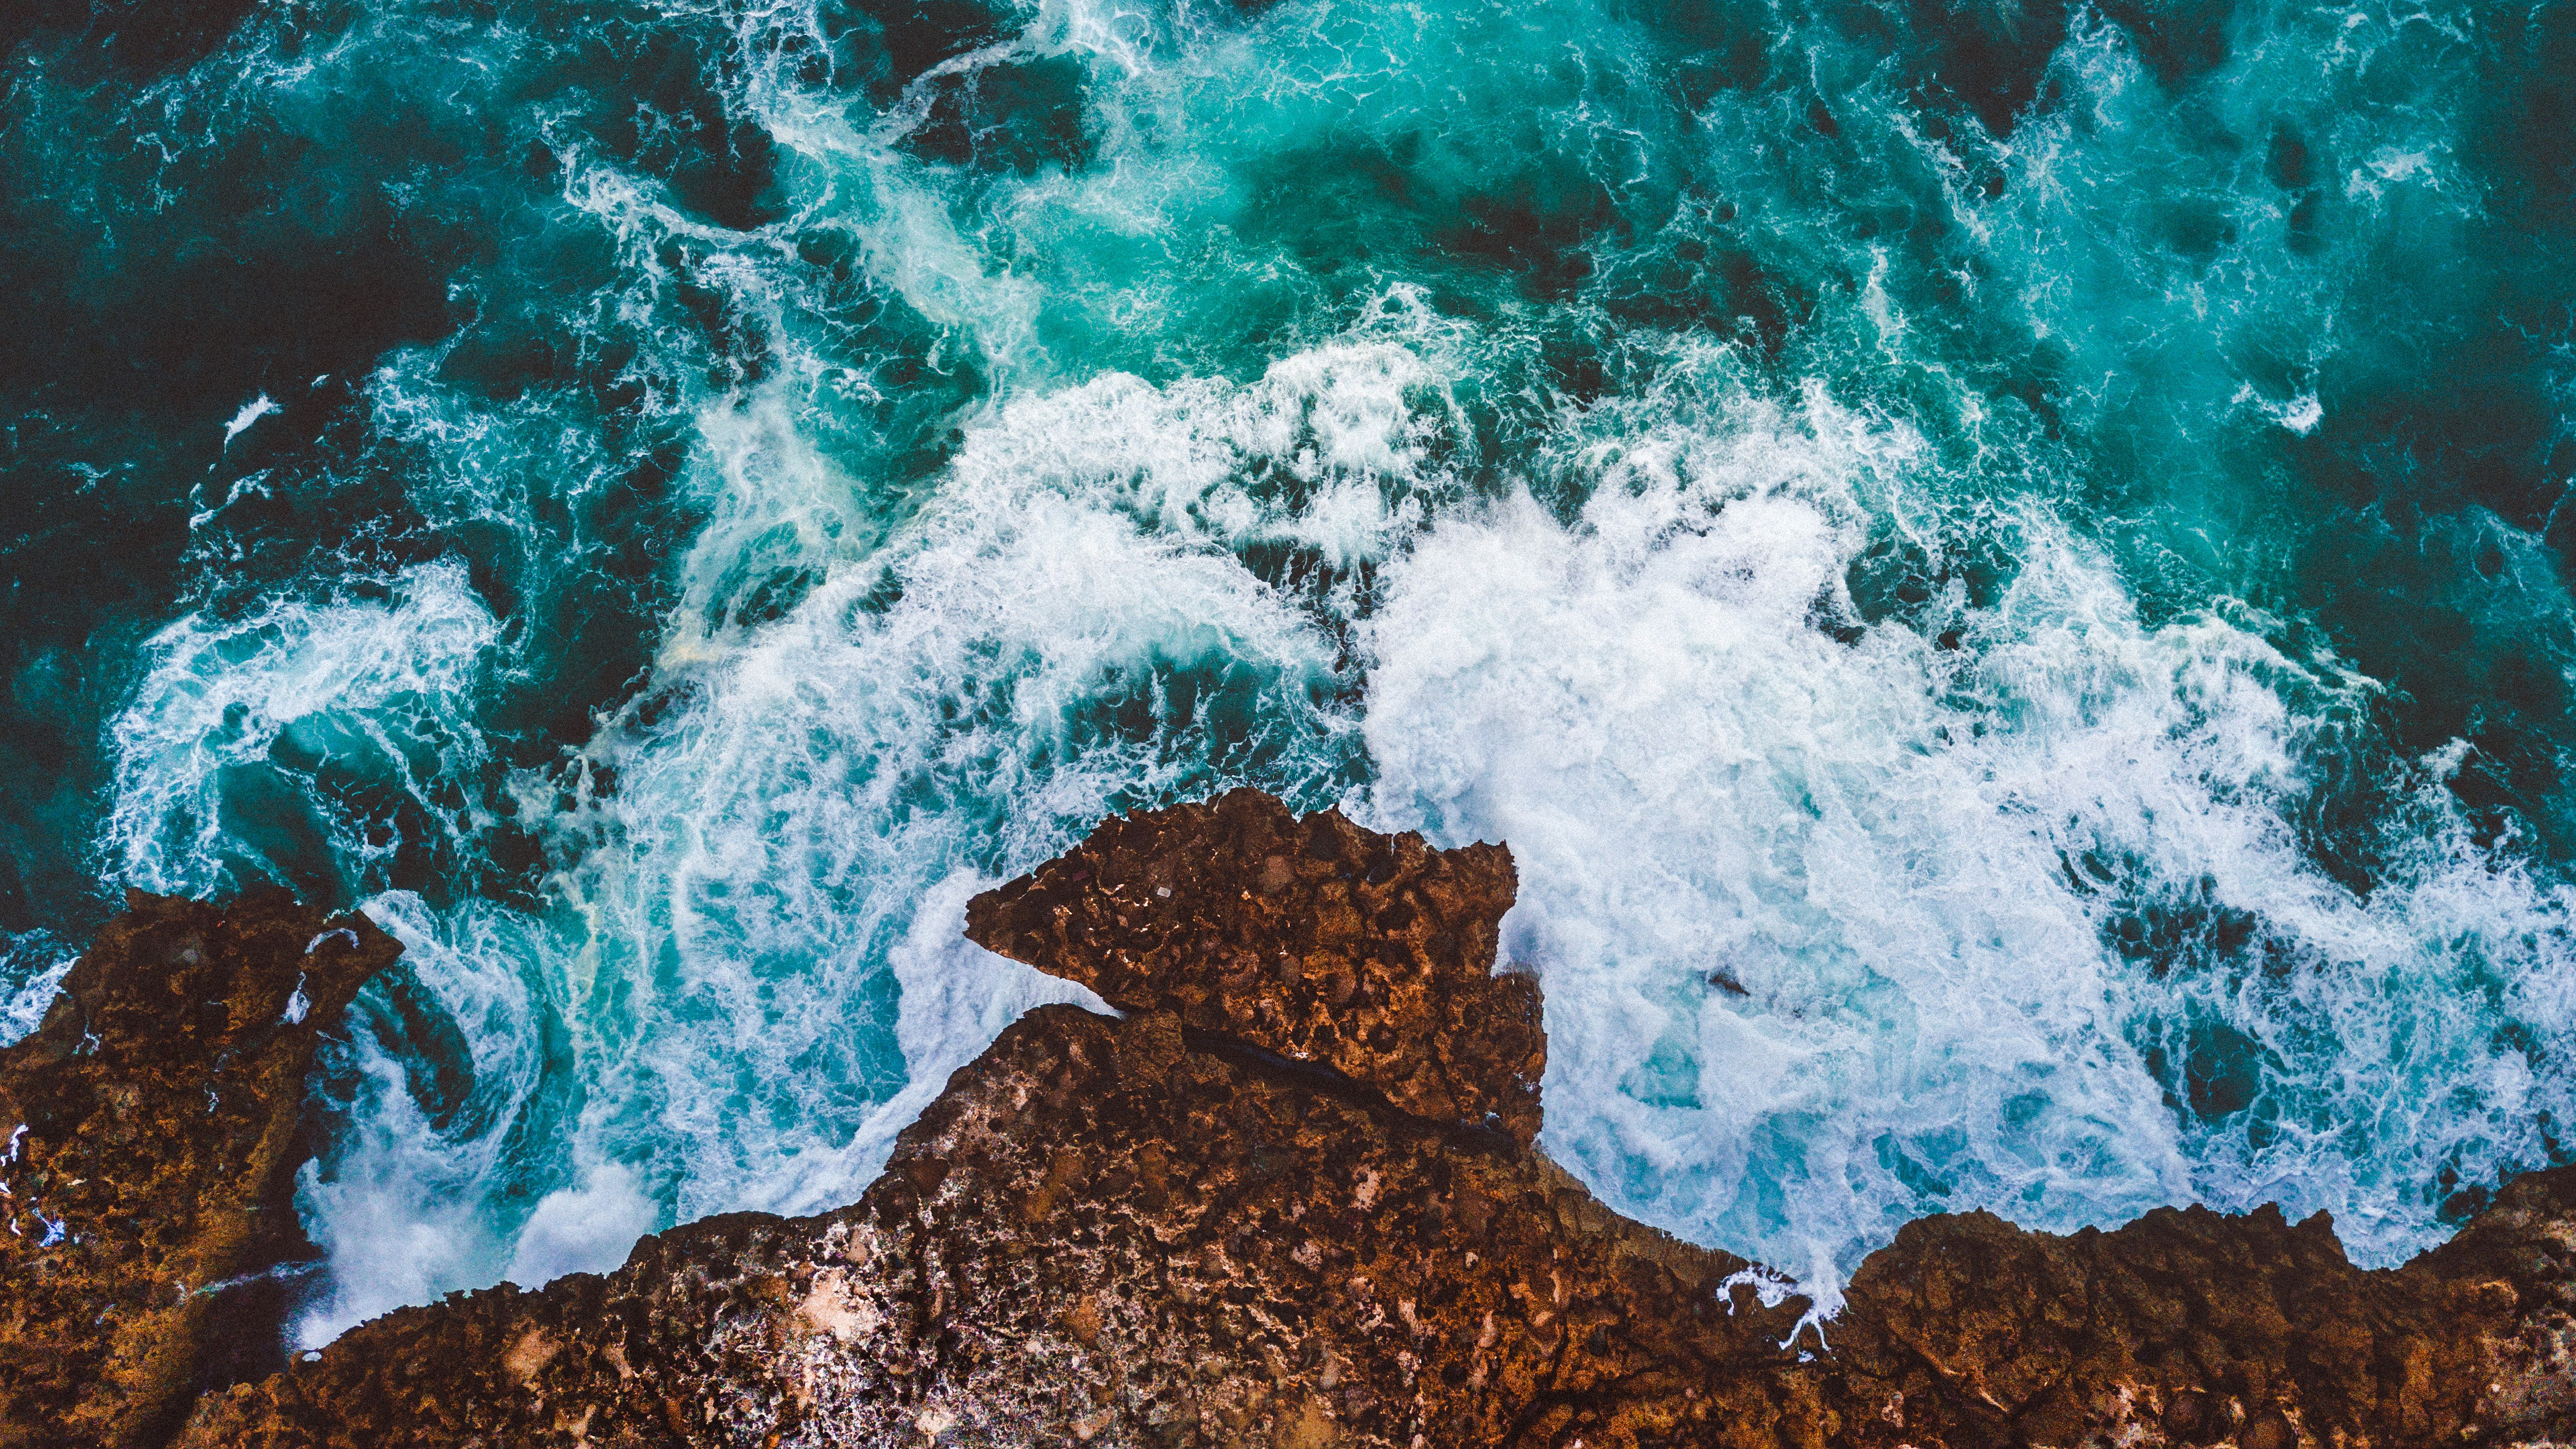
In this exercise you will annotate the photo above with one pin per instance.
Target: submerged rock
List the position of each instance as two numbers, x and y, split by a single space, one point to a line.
154 1127
1195 1226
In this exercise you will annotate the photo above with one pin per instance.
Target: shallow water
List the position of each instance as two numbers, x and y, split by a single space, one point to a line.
1998 566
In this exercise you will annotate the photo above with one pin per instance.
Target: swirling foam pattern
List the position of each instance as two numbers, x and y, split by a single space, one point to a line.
1998 565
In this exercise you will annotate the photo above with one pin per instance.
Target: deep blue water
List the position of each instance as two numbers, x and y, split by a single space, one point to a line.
2000 566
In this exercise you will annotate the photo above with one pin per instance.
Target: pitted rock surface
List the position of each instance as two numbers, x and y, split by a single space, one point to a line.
1124 1234
1112 1233
1371 954
151 1185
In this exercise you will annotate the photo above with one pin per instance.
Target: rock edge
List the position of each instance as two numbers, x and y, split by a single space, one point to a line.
156 1121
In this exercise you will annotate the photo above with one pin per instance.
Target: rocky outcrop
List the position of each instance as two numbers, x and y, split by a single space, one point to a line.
1122 1234
1104 1232
1154 1232
155 1123
1370 954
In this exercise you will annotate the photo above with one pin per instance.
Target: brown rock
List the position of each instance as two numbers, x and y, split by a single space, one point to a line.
1309 1273
1140 1233
150 1188
1371 954
1306 1281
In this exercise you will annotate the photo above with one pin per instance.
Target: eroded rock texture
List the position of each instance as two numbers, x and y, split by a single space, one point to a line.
155 1129
1371 954
1104 1232
1124 1234
2191 1327
1144 1233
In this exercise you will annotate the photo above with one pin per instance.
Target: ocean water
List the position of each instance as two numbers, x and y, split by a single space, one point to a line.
2000 566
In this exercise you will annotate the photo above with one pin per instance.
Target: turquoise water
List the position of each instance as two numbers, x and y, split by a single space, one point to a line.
1998 566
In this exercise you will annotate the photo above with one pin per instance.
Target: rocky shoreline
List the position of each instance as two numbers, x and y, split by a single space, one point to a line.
156 1121
1290 1199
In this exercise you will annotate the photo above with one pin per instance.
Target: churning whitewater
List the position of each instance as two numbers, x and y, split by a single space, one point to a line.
1997 566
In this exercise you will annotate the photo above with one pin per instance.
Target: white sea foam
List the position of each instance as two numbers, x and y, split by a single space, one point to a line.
405 1210
583 1229
1912 862
1871 842
379 687
757 972
803 816
32 966
1831 932
251 412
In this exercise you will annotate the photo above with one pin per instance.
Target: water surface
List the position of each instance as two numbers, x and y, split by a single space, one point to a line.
1999 566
